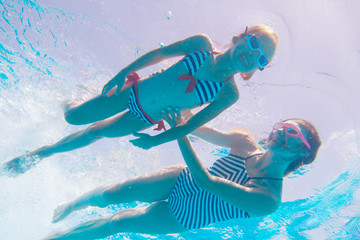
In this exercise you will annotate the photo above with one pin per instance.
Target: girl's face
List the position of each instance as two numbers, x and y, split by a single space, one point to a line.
250 53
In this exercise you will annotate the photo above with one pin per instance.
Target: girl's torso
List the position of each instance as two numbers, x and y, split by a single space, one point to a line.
164 89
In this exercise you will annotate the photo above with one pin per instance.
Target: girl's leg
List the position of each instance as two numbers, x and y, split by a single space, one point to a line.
117 126
155 219
151 187
97 108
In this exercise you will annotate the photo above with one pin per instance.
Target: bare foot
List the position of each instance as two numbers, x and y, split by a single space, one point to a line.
21 164
62 212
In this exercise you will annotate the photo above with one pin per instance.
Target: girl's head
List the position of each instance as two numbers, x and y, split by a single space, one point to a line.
299 139
254 49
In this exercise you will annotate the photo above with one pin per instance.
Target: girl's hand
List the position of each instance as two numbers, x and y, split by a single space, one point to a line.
118 82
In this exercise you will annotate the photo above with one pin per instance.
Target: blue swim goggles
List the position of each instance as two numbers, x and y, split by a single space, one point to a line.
254 44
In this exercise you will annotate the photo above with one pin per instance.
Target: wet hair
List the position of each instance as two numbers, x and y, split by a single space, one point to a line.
313 139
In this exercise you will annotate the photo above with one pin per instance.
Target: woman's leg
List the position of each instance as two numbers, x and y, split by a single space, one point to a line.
117 126
155 219
151 187
97 108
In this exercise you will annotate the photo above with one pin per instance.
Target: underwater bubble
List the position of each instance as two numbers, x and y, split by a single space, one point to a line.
168 14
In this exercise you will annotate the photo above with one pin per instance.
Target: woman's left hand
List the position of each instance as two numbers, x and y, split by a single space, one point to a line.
174 117
144 141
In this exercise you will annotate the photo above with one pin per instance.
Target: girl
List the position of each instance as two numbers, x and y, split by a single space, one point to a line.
126 107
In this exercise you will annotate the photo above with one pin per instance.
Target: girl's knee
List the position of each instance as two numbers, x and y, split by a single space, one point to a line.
109 195
94 132
70 117
72 112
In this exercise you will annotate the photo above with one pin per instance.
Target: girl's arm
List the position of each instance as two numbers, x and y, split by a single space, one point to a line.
226 139
255 200
199 42
229 95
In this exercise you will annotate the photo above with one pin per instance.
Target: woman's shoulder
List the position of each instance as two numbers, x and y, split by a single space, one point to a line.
244 142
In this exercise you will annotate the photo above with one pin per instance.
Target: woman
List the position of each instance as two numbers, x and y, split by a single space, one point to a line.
246 183
202 76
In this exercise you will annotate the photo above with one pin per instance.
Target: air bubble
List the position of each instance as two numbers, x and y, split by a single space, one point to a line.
168 14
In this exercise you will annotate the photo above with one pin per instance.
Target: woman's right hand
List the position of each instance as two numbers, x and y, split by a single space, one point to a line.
174 117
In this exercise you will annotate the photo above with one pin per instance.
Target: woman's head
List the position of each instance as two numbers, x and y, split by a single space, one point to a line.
254 48
299 137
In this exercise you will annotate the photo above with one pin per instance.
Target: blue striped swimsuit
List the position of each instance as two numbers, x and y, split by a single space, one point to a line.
195 207
205 90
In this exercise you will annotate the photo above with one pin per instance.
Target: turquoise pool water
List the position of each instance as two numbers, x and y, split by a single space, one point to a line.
52 51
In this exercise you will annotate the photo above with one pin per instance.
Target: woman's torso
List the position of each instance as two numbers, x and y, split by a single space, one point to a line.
195 207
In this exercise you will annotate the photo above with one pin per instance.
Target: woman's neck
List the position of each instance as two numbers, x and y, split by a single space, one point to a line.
270 165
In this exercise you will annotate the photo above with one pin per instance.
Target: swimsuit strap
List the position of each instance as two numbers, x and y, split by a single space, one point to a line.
270 178
256 154
132 77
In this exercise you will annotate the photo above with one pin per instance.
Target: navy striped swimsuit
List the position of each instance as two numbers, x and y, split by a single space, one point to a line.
205 90
195 207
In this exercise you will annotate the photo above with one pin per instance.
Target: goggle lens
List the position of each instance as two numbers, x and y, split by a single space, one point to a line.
262 61
254 43
292 131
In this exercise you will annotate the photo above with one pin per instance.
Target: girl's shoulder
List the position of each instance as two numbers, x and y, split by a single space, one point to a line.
201 42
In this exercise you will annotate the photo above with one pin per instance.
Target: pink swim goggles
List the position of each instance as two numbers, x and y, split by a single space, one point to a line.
292 131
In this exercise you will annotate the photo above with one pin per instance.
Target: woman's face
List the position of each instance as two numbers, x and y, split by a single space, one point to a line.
247 59
281 141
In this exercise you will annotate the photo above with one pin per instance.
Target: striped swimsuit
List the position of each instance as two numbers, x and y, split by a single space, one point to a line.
205 90
134 104
195 207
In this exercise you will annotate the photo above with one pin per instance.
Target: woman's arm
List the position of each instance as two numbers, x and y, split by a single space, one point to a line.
255 200
228 139
199 42
221 138
229 95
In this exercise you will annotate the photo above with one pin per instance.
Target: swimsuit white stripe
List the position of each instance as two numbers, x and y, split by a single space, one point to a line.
195 207
205 90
